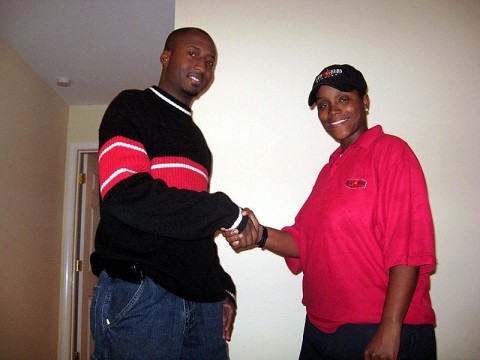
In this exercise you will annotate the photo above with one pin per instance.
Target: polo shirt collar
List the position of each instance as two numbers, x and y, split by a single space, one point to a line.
364 141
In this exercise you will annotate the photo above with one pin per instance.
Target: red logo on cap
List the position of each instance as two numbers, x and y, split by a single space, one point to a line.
328 73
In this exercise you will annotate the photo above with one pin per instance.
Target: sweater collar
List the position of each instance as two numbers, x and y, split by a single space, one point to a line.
171 100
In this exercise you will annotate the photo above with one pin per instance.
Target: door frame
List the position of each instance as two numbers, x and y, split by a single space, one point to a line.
75 152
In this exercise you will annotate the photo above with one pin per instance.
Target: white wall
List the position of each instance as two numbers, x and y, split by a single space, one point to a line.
421 60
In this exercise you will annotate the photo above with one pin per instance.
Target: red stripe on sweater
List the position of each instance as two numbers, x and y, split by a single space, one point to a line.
180 172
120 158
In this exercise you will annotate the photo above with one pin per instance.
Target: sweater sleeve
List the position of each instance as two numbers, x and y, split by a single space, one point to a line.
130 193
151 206
227 283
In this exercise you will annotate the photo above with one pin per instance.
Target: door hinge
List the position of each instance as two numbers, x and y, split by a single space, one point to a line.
78 265
81 178
76 356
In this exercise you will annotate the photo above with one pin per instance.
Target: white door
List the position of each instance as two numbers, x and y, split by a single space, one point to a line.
88 218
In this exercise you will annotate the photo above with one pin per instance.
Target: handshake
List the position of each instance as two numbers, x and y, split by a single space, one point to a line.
252 235
280 242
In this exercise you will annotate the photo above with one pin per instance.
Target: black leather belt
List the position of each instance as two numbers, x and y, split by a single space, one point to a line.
118 269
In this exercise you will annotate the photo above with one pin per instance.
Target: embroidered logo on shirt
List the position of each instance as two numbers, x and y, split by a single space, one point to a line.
356 183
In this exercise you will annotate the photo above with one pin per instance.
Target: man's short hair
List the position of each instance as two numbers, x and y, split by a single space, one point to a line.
174 35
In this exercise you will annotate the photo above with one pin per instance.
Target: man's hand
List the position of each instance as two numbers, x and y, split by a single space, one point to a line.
229 314
248 237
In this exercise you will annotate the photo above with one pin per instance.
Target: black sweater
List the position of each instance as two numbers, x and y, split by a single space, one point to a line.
154 170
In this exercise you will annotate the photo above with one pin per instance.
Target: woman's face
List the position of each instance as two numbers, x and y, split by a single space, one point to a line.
342 114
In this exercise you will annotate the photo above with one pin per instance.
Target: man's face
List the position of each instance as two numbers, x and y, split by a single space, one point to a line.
188 69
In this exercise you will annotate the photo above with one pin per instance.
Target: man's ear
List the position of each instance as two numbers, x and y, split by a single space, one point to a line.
165 57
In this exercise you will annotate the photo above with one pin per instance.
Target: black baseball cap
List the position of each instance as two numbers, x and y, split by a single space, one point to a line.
342 77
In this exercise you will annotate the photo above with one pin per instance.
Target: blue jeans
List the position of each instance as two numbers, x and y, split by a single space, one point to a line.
144 321
417 342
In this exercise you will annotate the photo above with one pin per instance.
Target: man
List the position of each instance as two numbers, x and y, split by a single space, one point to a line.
161 287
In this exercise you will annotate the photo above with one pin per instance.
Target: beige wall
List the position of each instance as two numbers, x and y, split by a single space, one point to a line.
422 62
84 122
33 129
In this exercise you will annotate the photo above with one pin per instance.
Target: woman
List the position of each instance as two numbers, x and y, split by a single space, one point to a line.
363 239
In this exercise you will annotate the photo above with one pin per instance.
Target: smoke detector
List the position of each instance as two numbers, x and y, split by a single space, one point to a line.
63 81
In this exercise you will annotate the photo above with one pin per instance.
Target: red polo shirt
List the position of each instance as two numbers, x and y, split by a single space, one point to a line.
368 211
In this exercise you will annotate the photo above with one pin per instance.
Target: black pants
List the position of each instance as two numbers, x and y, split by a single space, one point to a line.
349 341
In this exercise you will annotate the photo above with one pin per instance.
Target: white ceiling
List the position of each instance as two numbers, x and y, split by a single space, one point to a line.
103 46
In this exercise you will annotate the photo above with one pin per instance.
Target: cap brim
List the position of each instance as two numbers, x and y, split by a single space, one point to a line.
335 84
313 95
